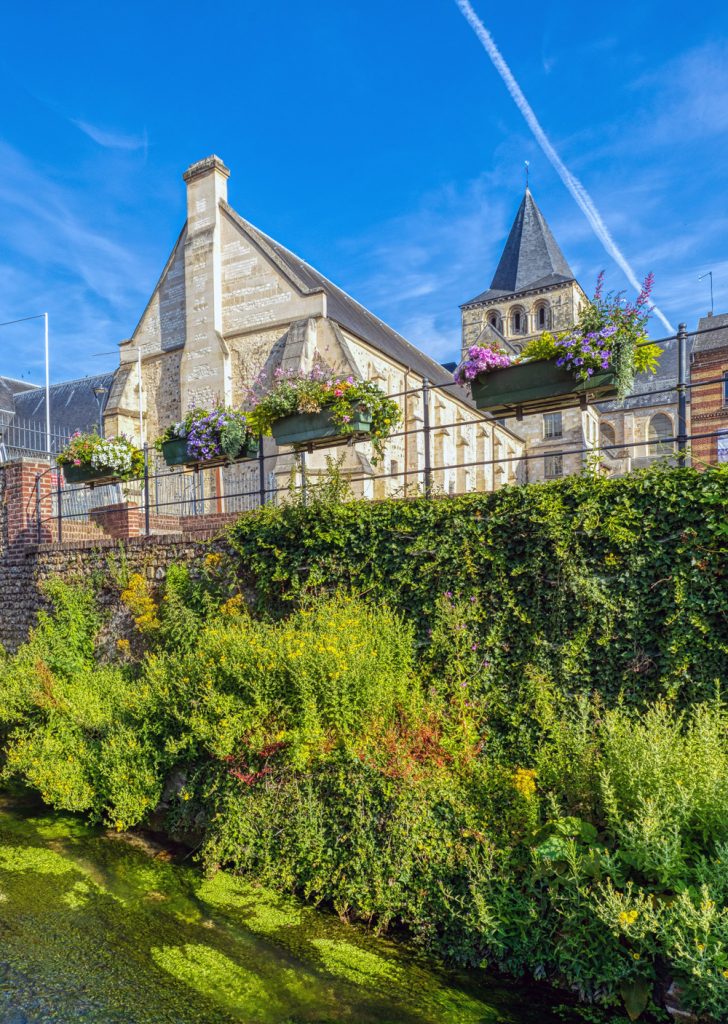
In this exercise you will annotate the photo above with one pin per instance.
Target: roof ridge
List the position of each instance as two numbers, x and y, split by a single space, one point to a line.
271 244
328 284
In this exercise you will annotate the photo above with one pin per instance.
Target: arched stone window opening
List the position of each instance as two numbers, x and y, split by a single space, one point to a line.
658 431
608 437
494 319
543 316
518 320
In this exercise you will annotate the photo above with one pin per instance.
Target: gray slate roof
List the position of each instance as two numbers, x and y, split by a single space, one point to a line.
73 403
712 338
531 257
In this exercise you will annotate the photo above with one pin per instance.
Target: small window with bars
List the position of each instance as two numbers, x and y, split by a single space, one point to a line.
552 426
553 467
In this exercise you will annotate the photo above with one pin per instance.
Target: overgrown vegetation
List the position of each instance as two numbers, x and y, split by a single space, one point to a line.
512 742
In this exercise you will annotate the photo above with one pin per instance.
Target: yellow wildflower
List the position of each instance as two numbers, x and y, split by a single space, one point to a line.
524 781
628 917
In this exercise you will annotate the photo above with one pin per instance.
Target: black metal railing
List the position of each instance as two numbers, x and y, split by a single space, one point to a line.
164 494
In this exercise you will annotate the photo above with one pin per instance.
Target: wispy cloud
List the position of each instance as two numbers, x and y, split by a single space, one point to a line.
687 98
112 139
68 250
580 194
414 270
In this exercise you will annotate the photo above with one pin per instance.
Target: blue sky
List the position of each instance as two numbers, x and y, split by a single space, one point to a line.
374 139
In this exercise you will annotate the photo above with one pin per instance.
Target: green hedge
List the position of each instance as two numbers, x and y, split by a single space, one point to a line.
614 585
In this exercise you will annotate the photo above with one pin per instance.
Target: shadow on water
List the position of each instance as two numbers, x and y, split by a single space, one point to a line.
103 929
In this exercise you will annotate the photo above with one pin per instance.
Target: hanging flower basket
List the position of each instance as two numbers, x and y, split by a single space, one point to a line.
204 439
594 361
318 409
91 459
538 386
88 475
312 428
175 453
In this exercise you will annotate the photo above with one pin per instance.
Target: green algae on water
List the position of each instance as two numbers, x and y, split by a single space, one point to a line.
104 931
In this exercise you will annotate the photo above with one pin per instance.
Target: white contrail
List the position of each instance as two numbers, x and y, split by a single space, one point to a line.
573 184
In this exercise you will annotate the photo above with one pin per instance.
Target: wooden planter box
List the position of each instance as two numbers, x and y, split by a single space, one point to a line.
538 386
175 454
89 475
317 429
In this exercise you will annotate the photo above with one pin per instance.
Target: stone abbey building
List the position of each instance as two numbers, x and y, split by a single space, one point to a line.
232 305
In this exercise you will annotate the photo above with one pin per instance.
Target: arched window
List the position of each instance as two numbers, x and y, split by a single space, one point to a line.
606 431
518 320
543 316
494 319
607 438
658 430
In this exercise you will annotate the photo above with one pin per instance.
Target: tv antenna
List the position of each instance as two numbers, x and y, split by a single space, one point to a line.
708 273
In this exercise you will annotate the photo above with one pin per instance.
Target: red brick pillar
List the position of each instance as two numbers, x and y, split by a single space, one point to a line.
29 484
120 521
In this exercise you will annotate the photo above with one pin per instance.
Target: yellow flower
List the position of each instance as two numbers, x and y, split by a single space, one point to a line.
725 974
524 781
628 917
635 956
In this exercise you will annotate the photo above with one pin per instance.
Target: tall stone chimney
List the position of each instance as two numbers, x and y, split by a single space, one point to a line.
205 373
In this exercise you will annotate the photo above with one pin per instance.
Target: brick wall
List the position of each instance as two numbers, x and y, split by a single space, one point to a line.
708 411
96 546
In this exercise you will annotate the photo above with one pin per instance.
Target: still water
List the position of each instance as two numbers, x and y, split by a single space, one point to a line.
110 929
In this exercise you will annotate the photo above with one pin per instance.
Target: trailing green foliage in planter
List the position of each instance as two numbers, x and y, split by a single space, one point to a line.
89 457
350 405
601 355
208 437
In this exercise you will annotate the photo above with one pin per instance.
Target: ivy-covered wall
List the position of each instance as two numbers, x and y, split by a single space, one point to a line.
593 584
599 584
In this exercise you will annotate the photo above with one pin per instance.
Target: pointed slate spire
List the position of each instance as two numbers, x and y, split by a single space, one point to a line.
531 252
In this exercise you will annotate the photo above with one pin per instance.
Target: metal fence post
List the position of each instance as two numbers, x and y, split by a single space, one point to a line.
426 431
146 490
261 471
304 485
682 398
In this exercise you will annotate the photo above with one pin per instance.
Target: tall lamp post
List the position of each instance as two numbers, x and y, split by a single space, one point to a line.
100 392
44 317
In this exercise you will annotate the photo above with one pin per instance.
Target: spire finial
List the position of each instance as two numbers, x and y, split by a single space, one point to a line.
526 165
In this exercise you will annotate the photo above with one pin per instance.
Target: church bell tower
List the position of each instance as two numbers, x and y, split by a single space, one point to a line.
533 288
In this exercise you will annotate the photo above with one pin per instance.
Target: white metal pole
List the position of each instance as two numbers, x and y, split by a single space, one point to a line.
141 411
47 388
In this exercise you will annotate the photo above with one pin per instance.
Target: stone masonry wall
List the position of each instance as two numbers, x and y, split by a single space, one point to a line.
24 568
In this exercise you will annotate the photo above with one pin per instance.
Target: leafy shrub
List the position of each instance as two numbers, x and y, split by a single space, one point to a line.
519 756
